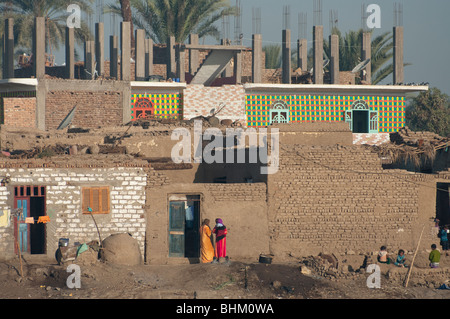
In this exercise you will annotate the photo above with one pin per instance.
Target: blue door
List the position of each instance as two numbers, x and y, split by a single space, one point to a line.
21 230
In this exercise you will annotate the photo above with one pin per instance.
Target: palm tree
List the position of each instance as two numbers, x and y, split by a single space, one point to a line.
55 14
178 18
125 12
273 56
350 53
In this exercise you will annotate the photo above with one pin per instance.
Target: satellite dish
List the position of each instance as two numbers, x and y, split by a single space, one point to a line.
325 63
361 66
68 119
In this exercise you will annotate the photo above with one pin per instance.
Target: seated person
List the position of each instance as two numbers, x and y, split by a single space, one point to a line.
383 256
401 258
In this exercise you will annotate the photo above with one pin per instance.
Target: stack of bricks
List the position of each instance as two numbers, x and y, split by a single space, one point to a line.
19 111
339 199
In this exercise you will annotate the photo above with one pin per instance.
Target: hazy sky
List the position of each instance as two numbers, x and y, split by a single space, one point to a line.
426 30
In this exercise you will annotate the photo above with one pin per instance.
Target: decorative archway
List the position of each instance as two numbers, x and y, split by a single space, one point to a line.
361 119
143 108
279 112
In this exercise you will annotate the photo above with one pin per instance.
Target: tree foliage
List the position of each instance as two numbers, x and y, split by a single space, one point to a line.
350 46
55 13
273 56
429 111
179 18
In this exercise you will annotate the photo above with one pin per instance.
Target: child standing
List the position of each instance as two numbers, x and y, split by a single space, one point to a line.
434 257
444 239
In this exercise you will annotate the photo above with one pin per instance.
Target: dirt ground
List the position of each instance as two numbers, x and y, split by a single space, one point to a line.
301 278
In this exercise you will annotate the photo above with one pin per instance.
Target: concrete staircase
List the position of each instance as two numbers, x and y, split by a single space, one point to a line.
214 64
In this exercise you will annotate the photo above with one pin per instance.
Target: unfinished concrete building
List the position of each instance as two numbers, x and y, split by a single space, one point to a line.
329 194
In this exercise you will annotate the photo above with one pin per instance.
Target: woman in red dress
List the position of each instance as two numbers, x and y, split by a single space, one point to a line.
221 240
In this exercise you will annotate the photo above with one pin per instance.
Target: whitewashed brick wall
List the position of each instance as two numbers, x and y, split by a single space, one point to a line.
199 100
63 203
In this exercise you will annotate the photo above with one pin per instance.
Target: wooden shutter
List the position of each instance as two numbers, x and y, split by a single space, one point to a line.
97 198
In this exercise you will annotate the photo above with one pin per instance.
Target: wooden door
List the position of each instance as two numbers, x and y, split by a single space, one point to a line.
177 214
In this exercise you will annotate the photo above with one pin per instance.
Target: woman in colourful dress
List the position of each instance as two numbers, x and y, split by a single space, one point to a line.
206 245
221 240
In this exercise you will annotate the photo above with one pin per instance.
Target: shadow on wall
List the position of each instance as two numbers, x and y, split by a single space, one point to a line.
225 171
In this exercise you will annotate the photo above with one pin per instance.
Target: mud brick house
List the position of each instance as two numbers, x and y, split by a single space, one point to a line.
63 193
329 193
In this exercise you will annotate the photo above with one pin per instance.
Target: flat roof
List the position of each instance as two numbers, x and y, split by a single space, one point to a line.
159 85
17 83
327 88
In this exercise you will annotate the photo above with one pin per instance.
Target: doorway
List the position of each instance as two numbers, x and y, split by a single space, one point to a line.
443 203
360 121
184 223
29 233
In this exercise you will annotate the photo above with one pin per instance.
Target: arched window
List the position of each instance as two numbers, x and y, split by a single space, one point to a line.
361 119
279 112
143 108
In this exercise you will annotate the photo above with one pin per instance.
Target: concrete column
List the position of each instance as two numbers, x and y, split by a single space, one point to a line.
8 62
318 54
170 58
70 53
139 53
286 57
366 53
237 65
3 55
181 57
89 60
100 48
193 55
125 51
399 75
39 47
302 54
148 57
334 58
229 68
257 58
113 56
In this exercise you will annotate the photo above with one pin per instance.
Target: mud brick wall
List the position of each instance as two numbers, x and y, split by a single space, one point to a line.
199 100
20 112
93 108
237 192
243 208
64 200
338 199
99 103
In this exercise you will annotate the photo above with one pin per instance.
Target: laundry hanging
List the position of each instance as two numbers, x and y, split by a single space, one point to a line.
43 219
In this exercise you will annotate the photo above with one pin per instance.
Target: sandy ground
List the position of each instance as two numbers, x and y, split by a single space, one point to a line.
43 278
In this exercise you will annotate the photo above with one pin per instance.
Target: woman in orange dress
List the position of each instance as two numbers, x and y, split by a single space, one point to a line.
206 245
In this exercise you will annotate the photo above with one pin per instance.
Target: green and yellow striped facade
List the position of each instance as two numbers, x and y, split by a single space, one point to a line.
326 108
164 105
